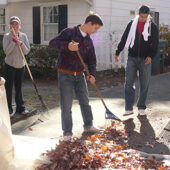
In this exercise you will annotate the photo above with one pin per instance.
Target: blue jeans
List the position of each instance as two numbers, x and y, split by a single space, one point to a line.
135 64
68 83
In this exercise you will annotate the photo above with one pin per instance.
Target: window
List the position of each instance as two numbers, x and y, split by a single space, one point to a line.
50 21
2 20
155 17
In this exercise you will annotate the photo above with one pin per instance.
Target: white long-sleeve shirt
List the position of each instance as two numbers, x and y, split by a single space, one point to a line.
12 51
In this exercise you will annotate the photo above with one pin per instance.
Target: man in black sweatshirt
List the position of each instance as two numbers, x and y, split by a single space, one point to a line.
141 39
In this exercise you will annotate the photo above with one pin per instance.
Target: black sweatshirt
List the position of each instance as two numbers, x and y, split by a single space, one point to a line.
141 48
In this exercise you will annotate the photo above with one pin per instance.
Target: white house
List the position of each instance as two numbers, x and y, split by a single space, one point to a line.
43 19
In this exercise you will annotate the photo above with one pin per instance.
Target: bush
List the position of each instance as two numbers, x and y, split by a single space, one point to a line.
42 61
165 35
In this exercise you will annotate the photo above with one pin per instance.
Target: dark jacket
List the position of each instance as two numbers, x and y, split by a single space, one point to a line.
69 60
141 48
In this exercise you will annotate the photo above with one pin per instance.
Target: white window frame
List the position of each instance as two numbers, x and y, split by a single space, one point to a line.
43 42
4 24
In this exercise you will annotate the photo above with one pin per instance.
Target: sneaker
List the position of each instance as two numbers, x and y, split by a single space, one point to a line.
24 112
128 113
12 115
141 112
67 136
91 129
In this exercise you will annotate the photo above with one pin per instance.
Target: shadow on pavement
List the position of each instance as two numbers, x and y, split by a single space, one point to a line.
145 140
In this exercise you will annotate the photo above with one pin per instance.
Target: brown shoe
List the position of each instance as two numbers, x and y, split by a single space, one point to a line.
128 113
91 129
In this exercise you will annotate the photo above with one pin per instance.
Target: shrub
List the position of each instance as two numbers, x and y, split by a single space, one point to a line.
42 61
165 35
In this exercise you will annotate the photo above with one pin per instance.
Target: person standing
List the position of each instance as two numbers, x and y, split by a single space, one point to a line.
70 71
14 64
141 39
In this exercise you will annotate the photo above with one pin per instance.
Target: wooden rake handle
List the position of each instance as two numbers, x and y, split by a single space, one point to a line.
94 84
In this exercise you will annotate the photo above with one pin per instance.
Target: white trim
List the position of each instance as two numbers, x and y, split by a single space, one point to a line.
90 2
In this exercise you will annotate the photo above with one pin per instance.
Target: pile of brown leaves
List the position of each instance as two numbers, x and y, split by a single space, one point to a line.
98 152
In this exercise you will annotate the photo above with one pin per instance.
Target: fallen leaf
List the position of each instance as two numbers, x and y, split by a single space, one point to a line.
30 128
157 138
161 168
97 156
89 139
118 123
99 136
104 148
101 127
153 157
87 158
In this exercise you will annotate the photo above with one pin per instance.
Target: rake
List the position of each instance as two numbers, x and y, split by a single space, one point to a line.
108 113
30 74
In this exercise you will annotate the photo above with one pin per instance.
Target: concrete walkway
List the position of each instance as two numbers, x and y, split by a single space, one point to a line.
143 132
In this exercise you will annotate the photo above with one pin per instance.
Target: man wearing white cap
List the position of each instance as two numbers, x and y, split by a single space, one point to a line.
14 64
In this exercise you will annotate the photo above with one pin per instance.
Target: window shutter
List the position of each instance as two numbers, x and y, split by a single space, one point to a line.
36 25
157 19
63 17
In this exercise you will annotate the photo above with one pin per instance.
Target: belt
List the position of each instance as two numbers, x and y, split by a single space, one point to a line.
70 72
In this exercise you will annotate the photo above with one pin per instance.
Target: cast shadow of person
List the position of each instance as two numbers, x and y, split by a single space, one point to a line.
145 140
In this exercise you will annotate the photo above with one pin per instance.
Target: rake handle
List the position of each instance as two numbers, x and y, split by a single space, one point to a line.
94 84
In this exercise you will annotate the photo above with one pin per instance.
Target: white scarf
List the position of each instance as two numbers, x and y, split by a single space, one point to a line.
132 32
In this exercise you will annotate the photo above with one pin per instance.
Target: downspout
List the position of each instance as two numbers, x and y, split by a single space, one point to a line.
111 37
90 2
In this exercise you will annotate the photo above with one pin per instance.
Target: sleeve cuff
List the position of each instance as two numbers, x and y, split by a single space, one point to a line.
117 53
93 73
151 56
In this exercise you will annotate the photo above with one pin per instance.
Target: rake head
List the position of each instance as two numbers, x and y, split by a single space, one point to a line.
110 115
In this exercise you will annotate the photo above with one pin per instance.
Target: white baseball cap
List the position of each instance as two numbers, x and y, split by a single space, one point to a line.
14 19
